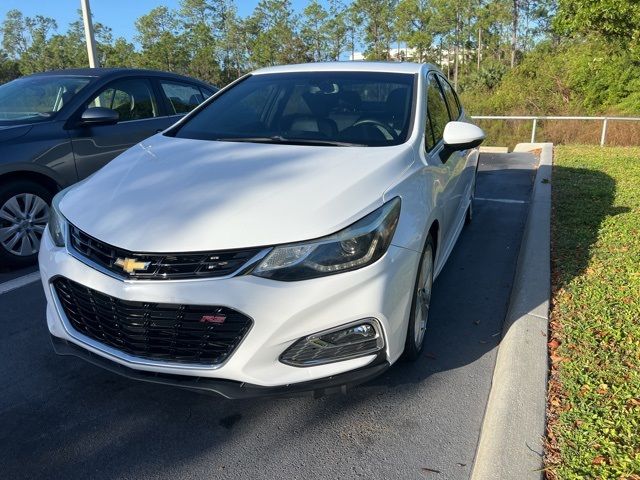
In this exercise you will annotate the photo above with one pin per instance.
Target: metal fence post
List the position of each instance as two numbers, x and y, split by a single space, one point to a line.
603 137
533 130
534 120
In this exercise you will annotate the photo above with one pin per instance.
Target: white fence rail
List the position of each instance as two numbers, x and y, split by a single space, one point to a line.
534 120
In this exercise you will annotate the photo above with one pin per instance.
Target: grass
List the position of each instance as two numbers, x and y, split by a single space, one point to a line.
594 388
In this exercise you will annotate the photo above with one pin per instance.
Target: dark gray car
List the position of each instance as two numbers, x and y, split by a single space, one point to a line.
57 128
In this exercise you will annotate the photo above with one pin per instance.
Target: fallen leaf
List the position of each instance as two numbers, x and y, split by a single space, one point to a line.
558 358
633 402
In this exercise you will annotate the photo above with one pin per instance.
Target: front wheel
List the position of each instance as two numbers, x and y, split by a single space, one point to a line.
24 213
414 343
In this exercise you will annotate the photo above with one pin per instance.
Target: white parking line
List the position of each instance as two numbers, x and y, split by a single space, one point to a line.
500 200
19 282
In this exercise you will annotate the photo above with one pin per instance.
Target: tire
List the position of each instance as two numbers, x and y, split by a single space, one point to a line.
420 303
468 218
24 212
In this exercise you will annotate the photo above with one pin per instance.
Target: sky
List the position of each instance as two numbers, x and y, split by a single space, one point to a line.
120 15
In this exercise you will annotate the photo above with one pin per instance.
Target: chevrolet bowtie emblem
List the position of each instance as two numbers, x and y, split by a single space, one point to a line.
131 265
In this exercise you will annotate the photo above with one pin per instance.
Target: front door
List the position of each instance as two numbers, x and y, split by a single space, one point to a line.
138 107
449 168
464 169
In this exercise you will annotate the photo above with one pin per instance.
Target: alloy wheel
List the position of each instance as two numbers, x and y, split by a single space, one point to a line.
423 297
23 219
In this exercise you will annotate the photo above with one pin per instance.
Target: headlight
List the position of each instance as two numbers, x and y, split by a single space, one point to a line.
57 223
356 246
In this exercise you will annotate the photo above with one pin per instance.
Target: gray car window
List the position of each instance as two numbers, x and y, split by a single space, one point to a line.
132 98
37 98
182 97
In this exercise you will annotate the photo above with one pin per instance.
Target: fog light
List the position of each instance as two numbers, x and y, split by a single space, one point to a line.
357 339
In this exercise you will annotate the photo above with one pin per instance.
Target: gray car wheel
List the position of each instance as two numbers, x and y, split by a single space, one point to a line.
414 343
24 213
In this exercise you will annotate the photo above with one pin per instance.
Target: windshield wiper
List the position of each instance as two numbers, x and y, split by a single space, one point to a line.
290 141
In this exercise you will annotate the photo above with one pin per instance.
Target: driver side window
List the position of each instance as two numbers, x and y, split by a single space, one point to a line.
133 99
437 113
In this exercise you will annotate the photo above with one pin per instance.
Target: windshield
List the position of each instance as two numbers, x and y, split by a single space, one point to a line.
315 108
34 99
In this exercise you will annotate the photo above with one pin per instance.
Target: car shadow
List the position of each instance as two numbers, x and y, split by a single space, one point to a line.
63 418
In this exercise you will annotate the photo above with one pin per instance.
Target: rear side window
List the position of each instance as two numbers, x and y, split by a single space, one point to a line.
132 98
437 113
452 100
182 97
206 93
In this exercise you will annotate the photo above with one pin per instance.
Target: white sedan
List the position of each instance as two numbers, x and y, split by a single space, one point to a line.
282 237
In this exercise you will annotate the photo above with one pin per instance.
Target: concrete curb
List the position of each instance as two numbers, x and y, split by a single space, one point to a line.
513 430
484 149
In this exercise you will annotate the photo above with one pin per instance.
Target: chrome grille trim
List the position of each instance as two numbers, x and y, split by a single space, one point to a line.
243 259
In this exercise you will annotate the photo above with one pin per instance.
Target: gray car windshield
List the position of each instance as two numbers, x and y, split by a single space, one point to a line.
34 99
309 108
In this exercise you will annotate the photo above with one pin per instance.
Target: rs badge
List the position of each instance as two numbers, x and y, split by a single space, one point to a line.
217 318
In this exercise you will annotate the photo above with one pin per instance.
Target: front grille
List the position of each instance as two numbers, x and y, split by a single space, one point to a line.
160 266
195 334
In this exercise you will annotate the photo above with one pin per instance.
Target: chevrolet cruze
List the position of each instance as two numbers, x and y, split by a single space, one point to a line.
282 237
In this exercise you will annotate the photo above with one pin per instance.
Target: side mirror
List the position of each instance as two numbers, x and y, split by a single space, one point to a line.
99 116
462 136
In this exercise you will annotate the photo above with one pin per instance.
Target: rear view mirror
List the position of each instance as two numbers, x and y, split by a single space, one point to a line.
461 136
99 116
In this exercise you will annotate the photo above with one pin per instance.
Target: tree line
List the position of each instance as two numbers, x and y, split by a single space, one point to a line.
207 39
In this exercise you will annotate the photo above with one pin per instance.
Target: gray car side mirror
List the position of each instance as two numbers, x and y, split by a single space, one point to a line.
99 116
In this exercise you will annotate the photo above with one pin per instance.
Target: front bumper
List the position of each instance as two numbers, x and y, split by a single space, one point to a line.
282 313
229 388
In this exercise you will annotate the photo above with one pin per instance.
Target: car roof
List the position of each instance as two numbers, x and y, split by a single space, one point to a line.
116 72
349 66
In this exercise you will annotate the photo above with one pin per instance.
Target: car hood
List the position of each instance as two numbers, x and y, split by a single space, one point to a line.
180 195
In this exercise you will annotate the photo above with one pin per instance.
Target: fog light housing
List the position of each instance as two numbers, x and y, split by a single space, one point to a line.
357 339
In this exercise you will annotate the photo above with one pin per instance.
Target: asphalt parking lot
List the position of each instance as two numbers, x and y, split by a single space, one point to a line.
63 418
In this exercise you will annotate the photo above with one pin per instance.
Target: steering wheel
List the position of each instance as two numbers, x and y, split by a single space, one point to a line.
369 121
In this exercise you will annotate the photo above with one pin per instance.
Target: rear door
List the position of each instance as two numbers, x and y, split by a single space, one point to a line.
141 115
